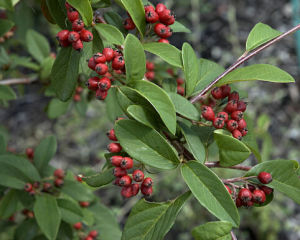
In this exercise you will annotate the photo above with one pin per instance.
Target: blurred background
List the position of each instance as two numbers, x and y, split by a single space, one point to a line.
219 32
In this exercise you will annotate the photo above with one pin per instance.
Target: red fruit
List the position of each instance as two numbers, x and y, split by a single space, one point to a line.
267 190
62 35
104 84
114 147
111 135
238 202
126 163
126 192
129 24
88 238
241 106
149 8
101 68
138 175
265 177
99 58
101 95
118 53
218 123
245 195
248 204
244 132
116 160
258 196
180 90
46 186
78 178
73 36
84 204
179 81
30 153
231 106
78 46
65 43
242 124
58 182
234 96
36 185
150 75
228 189
163 40
117 181
135 189
251 188
91 63
77 25
225 90
147 182
237 134
160 7
72 15
217 93
160 29
28 187
92 83
170 21
79 90
86 35
151 16
59 173
108 53
223 115
147 191
93 233
237 115
150 66
125 181
208 113
119 172
165 16
118 63
77 226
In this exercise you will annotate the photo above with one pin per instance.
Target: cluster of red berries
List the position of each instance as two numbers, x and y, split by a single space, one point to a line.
90 236
180 88
232 115
150 74
77 95
59 176
103 63
31 187
78 34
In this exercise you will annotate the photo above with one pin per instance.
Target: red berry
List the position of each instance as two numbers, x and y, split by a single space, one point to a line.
86 35
116 160
118 53
93 233
228 189
84 204
101 68
267 190
238 202
65 43
104 84
251 188
234 96
46 186
237 115
118 63
170 21
36 185
147 182
129 24
147 191
88 238
149 8
151 16
77 226
101 95
114 147
179 81
245 195
160 7
73 36
149 66
165 16
91 63
30 153
125 181
111 135
217 93
135 189
99 58
223 115
138 175
126 163
59 173
163 40
231 106
126 192
62 35
225 90
28 187
264 177
241 106
258 196
78 178
244 132
117 181
150 75
160 29
92 83
218 123
242 124
78 46
72 15
77 25
58 182
119 172
180 90
237 134
108 53
208 113
79 89
248 204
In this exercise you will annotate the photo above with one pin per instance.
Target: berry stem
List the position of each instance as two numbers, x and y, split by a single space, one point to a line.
217 165
14 81
243 59
237 179
199 123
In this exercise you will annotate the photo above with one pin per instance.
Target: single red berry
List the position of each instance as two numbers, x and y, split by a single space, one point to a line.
92 83
79 90
237 115
179 81
241 106
125 181
135 189
108 75
65 43
138 175
104 84
151 16
119 172
111 135
217 93
72 15
251 188
78 178
36 184
129 24
117 181
114 147
30 153
77 226
248 204
116 160
47 186
258 196
149 8
170 21
58 182
84 204
78 45
126 163
118 63
238 202
168 33
211 102
150 75
91 63
73 36
77 25
244 132
242 124
88 238
101 68
218 123
234 96
231 106
28 187
163 40
245 195
267 190
223 115
76 98
160 29
86 35
126 192
101 95
237 134
228 189
108 53
180 90
208 113
149 66
265 177
147 182
99 58
160 7
147 191
93 233
117 53
59 173
62 35
165 16
225 90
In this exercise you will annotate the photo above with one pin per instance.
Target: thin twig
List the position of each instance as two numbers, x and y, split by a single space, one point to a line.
217 165
241 60
233 236
15 81
237 179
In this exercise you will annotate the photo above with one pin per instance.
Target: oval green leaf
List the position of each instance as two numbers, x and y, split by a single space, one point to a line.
5 26
219 230
37 45
56 9
110 33
77 191
85 9
69 210
6 93
143 115
179 27
57 108
8 204
100 179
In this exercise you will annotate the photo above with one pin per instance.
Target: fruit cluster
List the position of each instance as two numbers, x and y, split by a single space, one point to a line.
77 95
150 74
91 234
78 34
231 116
103 64
180 88
123 179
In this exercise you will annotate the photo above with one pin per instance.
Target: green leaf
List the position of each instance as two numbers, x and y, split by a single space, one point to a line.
64 73
170 85
46 67
12 182
167 52
110 33
101 3
179 27
113 108
231 150
284 176
44 152
47 215
81 107
97 44
260 34
213 231
6 93
5 26
26 230
100 179
135 59
56 108
261 72
37 45
194 142
69 210
57 12
3 144
46 12
116 20
6 4
88 217
150 220
143 115
160 100
184 107
146 145
135 9
77 191
8 204
85 9
210 191
190 67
